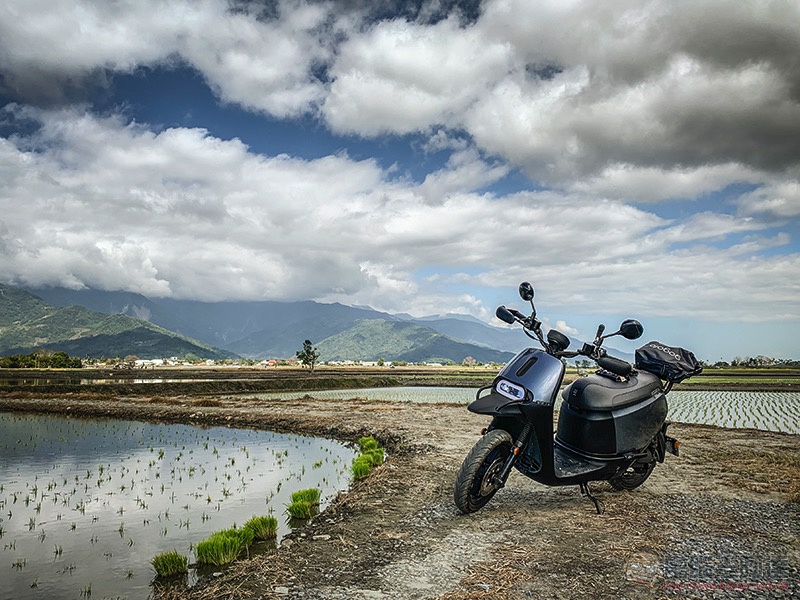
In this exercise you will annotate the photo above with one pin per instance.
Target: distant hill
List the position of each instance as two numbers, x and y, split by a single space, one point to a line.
404 341
28 323
271 329
300 321
477 332
266 329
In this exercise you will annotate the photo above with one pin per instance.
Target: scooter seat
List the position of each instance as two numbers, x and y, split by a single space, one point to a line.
599 393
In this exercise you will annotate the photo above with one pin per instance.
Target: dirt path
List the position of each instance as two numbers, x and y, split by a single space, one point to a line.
716 519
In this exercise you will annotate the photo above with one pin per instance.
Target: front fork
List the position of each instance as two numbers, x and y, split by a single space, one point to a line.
519 444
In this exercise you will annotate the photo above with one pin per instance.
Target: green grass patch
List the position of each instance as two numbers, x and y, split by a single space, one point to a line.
263 528
223 547
169 564
310 495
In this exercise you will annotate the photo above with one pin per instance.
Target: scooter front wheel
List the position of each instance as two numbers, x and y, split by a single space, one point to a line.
478 478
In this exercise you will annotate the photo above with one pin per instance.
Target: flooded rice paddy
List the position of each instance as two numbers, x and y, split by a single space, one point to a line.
767 411
86 504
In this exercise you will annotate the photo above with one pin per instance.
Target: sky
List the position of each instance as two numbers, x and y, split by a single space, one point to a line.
634 159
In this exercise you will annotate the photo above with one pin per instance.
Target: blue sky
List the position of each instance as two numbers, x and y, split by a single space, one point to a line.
421 157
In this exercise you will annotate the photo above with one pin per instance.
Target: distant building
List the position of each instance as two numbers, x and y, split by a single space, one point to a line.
149 363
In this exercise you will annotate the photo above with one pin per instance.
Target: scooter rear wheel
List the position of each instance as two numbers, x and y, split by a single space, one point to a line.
633 476
477 479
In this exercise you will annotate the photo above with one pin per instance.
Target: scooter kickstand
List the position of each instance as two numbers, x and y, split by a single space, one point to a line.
585 491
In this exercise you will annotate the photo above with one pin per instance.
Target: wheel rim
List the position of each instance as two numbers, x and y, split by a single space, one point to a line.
485 483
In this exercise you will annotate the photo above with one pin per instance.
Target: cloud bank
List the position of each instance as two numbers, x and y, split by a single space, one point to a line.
661 139
105 204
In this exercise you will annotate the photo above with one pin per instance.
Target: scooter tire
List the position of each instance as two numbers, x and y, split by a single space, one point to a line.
631 479
474 486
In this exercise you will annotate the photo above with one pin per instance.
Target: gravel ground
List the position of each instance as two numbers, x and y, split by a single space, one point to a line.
721 521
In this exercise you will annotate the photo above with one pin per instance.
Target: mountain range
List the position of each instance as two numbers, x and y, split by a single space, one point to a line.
28 323
101 323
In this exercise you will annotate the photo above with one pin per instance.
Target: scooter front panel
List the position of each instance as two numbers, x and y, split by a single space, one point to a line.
536 371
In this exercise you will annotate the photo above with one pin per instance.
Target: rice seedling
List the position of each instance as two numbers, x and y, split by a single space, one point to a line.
367 443
375 455
223 547
169 564
361 467
310 495
263 528
300 509
371 455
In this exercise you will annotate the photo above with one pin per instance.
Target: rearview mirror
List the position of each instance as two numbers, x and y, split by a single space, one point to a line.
526 291
631 329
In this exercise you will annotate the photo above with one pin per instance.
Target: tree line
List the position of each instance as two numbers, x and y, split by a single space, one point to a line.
40 360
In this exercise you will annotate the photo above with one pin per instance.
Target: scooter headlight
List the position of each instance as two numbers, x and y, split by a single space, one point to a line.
510 390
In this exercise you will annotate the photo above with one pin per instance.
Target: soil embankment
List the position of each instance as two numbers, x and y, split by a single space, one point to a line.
720 521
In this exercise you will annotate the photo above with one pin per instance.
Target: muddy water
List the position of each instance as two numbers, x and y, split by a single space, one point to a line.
86 504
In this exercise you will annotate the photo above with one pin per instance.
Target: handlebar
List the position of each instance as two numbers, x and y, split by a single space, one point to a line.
609 363
557 343
593 351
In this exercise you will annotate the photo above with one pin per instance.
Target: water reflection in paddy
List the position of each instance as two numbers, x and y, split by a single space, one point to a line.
86 504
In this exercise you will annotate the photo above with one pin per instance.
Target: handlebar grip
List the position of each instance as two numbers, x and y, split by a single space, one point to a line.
517 314
615 365
504 315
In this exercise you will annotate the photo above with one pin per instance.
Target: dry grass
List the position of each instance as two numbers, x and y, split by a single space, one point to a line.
207 402
760 470
494 579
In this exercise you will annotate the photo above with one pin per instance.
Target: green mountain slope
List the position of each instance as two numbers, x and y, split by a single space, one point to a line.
270 329
27 323
398 340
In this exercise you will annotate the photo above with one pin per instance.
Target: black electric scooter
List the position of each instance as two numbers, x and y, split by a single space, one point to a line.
611 424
